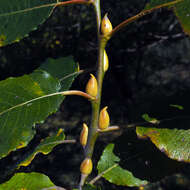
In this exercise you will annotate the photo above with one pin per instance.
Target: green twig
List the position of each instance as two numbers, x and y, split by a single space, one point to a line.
93 132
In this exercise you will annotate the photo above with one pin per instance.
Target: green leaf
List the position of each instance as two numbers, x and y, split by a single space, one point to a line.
19 17
22 106
181 10
109 168
28 181
175 143
45 147
177 106
56 67
149 119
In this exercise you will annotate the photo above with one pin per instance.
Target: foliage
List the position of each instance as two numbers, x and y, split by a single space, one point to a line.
109 168
22 17
32 181
28 100
174 142
45 147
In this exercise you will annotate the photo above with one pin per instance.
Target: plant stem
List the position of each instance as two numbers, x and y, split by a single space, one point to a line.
97 9
93 132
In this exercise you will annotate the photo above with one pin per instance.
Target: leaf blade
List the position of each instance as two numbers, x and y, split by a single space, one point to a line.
45 147
16 117
111 171
19 17
29 181
56 67
173 142
25 101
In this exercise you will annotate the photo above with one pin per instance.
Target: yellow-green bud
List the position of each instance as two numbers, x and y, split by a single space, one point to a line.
86 166
92 86
106 26
84 135
104 119
106 61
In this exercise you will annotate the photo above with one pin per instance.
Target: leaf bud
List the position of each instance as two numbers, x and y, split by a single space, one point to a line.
86 166
106 26
92 86
84 135
104 119
106 61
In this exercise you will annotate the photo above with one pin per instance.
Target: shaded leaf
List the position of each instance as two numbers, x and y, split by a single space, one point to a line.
21 107
108 165
56 67
45 146
19 17
149 119
175 143
28 181
181 10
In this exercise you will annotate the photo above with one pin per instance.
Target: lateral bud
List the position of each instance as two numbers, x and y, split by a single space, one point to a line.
92 86
104 119
86 166
106 61
84 135
106 26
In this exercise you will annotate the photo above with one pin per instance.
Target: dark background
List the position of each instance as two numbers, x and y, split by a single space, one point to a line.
149 70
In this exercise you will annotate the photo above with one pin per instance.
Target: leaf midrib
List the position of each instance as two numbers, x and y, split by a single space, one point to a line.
29 101
28 9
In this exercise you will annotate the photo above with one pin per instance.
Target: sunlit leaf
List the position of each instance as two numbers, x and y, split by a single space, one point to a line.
28 181
175 143
19 17
109 167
